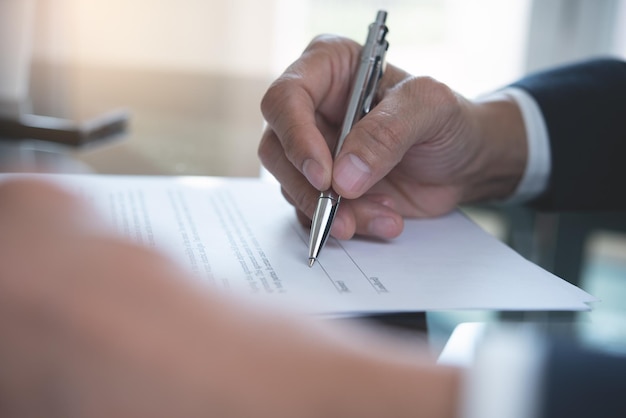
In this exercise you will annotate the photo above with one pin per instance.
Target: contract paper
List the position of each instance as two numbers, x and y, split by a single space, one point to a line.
240 236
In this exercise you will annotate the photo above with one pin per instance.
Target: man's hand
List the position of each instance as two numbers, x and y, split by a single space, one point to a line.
421 151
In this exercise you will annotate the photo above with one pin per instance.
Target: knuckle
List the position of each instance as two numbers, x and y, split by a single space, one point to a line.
276 97
430 92
267 149
390 136
382 141
292 146
283 134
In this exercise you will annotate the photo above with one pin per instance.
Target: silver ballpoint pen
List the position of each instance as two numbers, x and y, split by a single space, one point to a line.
361 97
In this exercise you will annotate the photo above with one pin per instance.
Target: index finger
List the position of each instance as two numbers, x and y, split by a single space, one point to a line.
315 86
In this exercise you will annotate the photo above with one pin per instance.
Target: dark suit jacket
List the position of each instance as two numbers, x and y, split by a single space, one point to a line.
584 106
581 382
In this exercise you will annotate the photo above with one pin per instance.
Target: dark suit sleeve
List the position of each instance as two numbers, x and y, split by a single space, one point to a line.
584 106
581 382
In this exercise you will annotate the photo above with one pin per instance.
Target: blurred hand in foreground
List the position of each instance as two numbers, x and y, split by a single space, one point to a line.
94 326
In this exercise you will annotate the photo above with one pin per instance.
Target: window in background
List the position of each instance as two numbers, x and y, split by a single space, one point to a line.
472 46
619 36
193 72
564 31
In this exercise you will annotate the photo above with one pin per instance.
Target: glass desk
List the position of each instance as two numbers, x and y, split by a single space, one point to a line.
180 123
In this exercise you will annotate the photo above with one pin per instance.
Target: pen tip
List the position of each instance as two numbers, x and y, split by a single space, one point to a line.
311 262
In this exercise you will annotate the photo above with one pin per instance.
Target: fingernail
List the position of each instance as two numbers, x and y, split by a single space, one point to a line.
383 227
314 173
351 173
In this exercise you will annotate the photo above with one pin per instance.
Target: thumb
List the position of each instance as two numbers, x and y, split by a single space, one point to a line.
374 146
414 111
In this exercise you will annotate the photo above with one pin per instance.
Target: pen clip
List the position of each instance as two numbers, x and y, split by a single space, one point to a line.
368 75
364 87
374 53
372 86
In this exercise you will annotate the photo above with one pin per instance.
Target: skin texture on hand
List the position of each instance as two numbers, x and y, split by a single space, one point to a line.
94 326
422 150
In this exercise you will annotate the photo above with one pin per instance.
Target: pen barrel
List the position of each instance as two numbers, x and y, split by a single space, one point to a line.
366 80
364 87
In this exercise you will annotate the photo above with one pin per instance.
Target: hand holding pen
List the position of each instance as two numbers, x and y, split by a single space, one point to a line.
421 150
362 95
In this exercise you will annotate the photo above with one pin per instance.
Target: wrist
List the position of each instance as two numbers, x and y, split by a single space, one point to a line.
501 135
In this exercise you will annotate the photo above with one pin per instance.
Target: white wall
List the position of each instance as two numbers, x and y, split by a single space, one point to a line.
564 30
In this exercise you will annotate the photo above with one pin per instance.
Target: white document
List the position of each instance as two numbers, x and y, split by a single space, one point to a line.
239 235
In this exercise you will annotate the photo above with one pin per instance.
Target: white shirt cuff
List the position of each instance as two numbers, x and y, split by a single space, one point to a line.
539 163
505 378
